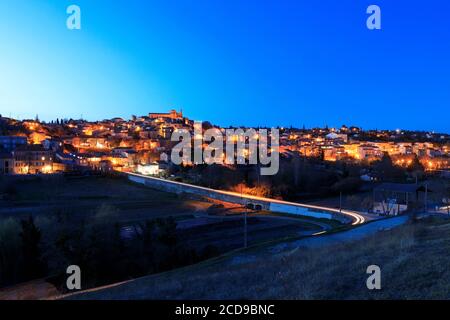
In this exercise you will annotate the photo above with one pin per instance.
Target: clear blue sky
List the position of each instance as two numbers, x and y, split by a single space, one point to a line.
251 62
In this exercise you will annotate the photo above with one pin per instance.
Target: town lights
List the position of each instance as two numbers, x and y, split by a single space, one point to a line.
47 169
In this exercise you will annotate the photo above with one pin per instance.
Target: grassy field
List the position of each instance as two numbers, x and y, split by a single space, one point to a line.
413 258
84 196
61 189
109 209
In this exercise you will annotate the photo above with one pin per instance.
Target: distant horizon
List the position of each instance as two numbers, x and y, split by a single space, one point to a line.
128 118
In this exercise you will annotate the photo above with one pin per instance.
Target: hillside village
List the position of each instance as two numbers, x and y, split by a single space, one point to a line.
143 144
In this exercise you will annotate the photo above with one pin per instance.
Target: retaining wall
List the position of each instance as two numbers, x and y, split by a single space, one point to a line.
266 204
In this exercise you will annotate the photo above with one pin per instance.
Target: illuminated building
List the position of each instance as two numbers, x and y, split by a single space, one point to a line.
369 152
173 114
32 159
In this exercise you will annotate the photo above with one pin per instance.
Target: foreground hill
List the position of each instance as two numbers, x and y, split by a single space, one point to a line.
413 258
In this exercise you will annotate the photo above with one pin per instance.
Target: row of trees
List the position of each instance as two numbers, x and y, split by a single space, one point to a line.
299 177
44 247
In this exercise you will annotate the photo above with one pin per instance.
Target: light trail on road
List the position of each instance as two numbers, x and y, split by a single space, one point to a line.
355 216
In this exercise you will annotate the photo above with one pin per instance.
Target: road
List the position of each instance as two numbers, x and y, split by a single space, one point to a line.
318 240
356 217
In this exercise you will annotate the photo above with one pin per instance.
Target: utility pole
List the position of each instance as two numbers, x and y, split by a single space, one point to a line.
340 201
245 218
245 228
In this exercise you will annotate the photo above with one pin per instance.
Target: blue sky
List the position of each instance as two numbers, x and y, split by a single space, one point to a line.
250 62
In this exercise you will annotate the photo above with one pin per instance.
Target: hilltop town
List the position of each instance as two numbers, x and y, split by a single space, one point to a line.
142 144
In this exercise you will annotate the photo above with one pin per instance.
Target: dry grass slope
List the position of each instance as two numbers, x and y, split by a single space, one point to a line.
413 258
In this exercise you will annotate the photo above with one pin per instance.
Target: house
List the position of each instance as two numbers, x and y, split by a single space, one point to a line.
87 142
105 166
53 144
333 153
395 198
123 151
6 163
166 132
337 136
9 143
32 159
369 152
154 169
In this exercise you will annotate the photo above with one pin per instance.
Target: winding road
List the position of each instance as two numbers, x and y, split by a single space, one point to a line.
234 197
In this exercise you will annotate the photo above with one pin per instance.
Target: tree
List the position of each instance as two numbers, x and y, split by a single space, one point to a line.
386 171
416 168
416 165
9 247
30 235
347 185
